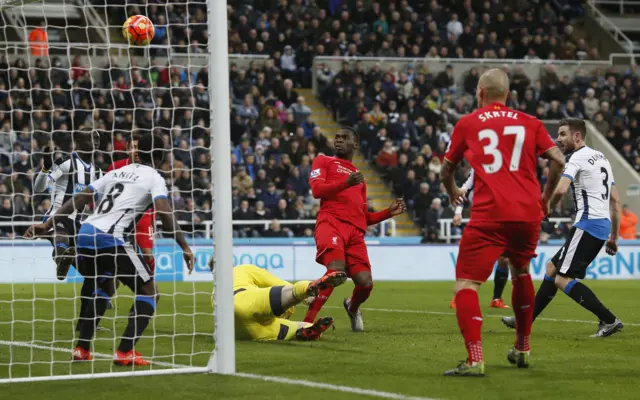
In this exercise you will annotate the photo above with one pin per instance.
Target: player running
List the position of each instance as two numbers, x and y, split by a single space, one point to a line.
501 274
106 255
342 222
502 146
597 222
263 304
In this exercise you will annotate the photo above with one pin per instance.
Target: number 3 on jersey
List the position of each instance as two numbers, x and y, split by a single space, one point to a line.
491 149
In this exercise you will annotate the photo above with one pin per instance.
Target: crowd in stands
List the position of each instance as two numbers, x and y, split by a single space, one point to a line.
404 115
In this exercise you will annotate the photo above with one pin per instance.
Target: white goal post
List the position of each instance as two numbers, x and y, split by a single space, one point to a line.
38 313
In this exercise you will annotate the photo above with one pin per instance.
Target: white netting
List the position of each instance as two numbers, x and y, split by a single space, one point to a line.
64 67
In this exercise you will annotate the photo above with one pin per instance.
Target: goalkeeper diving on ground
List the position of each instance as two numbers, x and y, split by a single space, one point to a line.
263 303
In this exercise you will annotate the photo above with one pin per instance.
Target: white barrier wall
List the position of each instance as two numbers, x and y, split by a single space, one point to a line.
30 262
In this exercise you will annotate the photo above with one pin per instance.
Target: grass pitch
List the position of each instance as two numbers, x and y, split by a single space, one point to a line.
411 338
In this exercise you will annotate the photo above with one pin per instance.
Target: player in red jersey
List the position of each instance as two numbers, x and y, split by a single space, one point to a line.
502 146
342 222
144 227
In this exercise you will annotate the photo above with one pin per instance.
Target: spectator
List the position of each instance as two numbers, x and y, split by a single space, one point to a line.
244 213
300 111
628 224
388 157
433 215
242 181
410 186
270 197
299 184
283 211
591 103
270 119
275 231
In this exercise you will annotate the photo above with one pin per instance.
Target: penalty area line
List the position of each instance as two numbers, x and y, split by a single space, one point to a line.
389 310
328 386
70 351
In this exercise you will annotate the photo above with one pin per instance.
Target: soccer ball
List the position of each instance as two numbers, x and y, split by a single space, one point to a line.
138 30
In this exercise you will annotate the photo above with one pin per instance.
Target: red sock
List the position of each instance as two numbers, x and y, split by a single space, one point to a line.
470 322
523 298
359 296
318 302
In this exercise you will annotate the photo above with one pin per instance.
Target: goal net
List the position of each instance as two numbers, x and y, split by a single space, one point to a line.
65 68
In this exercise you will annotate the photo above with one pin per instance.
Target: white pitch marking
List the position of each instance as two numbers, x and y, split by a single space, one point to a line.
328 386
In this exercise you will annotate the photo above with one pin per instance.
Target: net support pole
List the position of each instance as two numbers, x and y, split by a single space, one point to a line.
224 355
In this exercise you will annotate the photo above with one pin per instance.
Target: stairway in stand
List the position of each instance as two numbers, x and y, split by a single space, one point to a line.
376 189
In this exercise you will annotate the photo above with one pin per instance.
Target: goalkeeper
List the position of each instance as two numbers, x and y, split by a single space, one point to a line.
263 304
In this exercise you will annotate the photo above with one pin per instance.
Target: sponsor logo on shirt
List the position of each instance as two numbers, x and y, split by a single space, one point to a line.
315 173
344 170
79 187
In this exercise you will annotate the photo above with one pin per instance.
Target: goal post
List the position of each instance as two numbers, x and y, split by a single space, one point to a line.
38 313
223 359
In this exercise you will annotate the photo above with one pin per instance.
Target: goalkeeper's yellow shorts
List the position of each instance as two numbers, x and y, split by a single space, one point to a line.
256 310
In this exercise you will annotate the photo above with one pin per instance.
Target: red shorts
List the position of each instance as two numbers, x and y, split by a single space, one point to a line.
340 241
484 242
145 234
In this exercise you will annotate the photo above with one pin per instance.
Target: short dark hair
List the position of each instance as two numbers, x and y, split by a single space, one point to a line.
151 149
575 125
352 131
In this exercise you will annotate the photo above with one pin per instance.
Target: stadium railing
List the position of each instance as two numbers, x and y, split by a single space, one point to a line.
386 227
446 224
620 3
611 27
462 65
97 54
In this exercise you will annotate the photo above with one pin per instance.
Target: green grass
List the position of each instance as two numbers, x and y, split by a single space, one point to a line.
403 353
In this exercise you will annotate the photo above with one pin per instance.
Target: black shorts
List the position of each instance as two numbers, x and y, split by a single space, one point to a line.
122 263
66 227
577 253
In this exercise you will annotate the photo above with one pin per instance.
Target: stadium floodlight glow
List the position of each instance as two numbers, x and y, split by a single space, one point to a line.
38 312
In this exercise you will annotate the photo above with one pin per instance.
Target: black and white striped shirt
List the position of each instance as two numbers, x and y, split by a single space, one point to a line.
67 177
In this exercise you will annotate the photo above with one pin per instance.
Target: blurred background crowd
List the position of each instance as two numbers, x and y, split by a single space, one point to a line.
405 113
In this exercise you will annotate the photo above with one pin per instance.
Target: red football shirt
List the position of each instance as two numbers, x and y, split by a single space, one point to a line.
144 227
328 181
502 145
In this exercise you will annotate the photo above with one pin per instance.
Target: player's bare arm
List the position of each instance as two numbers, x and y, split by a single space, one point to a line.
561 189
456 194
615 213
556 165
76 203
169 225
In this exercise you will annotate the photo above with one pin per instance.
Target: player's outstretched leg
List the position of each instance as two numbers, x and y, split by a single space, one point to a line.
581 294
324 293
545 294
469 318
500 278
363 286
